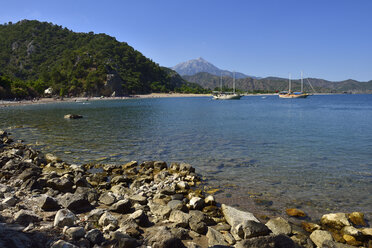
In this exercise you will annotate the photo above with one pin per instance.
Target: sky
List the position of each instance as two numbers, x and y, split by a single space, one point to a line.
329 39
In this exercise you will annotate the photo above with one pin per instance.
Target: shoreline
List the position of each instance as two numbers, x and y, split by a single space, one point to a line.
144 204
48 100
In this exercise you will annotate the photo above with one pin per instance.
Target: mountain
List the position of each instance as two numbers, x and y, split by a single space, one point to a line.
37 55
195 66
272 84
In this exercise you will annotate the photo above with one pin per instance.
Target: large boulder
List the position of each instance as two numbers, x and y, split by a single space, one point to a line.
235 217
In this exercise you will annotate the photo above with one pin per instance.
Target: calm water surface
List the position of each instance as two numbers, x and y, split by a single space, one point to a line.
313 153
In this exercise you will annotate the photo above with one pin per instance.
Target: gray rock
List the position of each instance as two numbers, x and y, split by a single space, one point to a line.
62 184
138 199
106 219
95 236
63 244
48 203
162 238
25 217
10 201
180 233
122 206
335 220
124 240
75 232
198 221
95 214
107 198
319 236
160 165
50 158
186 167
229 238
139 217
120 179
64 217
177 205
209 200
215 238
279 226
196 203
183 185
234 216
180 218
77 203
350 230
160 211
270 241
254 229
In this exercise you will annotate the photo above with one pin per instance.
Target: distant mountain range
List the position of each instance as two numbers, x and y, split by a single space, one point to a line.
195 66
272 84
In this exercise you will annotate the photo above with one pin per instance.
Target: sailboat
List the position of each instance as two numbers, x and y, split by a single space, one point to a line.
291 94
220 95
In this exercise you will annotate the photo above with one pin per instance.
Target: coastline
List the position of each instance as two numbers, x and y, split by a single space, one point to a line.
149 203
47 100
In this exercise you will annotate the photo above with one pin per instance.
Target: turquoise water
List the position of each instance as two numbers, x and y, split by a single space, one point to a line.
314 152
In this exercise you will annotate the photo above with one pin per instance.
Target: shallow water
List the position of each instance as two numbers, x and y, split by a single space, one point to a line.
313 153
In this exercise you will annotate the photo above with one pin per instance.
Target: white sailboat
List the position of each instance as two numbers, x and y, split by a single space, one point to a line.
290 93
226 95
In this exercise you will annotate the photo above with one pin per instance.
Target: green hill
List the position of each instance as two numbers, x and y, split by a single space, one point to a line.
37 55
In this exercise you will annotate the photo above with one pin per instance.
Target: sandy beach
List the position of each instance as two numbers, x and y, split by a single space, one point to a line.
5 103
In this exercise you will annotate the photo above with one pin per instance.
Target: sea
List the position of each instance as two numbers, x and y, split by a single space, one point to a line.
260 153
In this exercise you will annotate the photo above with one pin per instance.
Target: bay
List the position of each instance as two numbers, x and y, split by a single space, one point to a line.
313 153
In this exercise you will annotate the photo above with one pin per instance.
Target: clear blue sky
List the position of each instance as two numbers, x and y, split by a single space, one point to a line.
330 39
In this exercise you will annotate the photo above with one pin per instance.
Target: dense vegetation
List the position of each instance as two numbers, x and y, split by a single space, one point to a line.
37 55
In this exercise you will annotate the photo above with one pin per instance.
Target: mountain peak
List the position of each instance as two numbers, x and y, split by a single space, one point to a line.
194 66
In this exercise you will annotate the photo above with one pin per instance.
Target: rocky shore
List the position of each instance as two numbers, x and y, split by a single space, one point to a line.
45 202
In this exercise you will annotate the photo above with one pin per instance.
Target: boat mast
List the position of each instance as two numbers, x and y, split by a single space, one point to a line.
221 82
289 87
302 83
234 82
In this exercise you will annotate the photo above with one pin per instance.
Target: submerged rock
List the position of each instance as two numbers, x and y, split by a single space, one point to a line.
294 212
73 116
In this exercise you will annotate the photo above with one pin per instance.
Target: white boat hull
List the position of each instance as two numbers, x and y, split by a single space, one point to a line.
226 97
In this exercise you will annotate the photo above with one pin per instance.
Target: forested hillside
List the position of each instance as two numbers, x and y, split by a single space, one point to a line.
37 55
